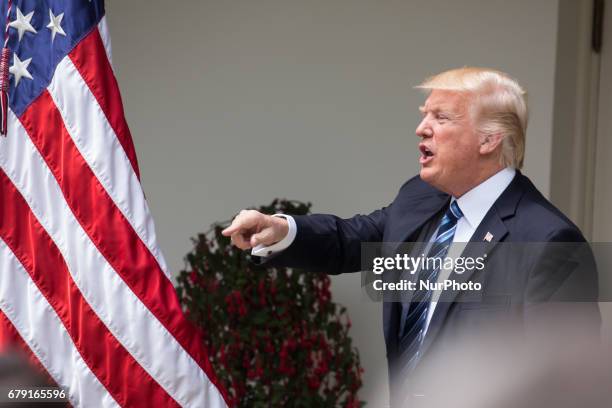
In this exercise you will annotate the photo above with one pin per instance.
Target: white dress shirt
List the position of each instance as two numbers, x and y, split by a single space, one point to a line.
474 205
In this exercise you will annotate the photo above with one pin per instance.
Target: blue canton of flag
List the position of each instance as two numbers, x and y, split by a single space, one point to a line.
42 34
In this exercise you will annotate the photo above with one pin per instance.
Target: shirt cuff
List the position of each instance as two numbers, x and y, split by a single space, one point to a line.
264 251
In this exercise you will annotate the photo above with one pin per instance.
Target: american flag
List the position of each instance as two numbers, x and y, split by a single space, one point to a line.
83 284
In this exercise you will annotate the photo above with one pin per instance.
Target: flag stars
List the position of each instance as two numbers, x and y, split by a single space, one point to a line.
19 69
55 25
22 23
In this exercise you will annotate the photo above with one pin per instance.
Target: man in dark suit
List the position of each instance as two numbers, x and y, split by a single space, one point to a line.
469 190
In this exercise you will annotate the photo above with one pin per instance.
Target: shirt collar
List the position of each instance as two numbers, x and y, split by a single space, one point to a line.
477 202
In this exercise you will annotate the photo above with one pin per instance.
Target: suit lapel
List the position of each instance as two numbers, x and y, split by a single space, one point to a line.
410 213
420 213
489 233
414 214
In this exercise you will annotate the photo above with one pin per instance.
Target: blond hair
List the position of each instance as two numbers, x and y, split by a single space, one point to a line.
500 106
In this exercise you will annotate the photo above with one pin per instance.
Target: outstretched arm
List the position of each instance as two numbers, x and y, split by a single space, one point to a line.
323 242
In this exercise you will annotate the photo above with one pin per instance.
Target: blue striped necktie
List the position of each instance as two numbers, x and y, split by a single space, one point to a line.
414 314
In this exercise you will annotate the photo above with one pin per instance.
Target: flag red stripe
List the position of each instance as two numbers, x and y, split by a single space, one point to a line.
89 57
10 339
8 335
115 368
107 227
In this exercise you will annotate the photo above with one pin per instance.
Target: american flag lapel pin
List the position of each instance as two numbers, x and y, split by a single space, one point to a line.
488 237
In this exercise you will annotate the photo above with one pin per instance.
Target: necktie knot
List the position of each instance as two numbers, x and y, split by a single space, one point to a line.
454 212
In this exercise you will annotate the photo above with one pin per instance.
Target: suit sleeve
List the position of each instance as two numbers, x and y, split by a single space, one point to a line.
327 243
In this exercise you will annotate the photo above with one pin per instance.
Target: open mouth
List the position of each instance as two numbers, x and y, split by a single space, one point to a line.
426 154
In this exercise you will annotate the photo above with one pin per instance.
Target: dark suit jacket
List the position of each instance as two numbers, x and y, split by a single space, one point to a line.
512 282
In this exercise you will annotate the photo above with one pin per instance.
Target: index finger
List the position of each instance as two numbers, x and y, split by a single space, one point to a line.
239 222
233 227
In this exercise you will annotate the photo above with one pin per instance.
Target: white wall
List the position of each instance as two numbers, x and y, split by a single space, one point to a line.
233 103
602 220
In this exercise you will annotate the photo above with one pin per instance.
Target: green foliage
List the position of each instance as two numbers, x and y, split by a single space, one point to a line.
274 336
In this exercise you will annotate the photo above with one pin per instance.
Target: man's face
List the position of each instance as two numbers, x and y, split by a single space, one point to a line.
450 144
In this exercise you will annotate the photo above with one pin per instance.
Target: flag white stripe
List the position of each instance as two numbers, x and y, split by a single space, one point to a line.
134 326
95 139
106 40
43 332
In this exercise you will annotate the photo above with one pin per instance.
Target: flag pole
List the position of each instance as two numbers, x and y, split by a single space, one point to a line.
4 74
